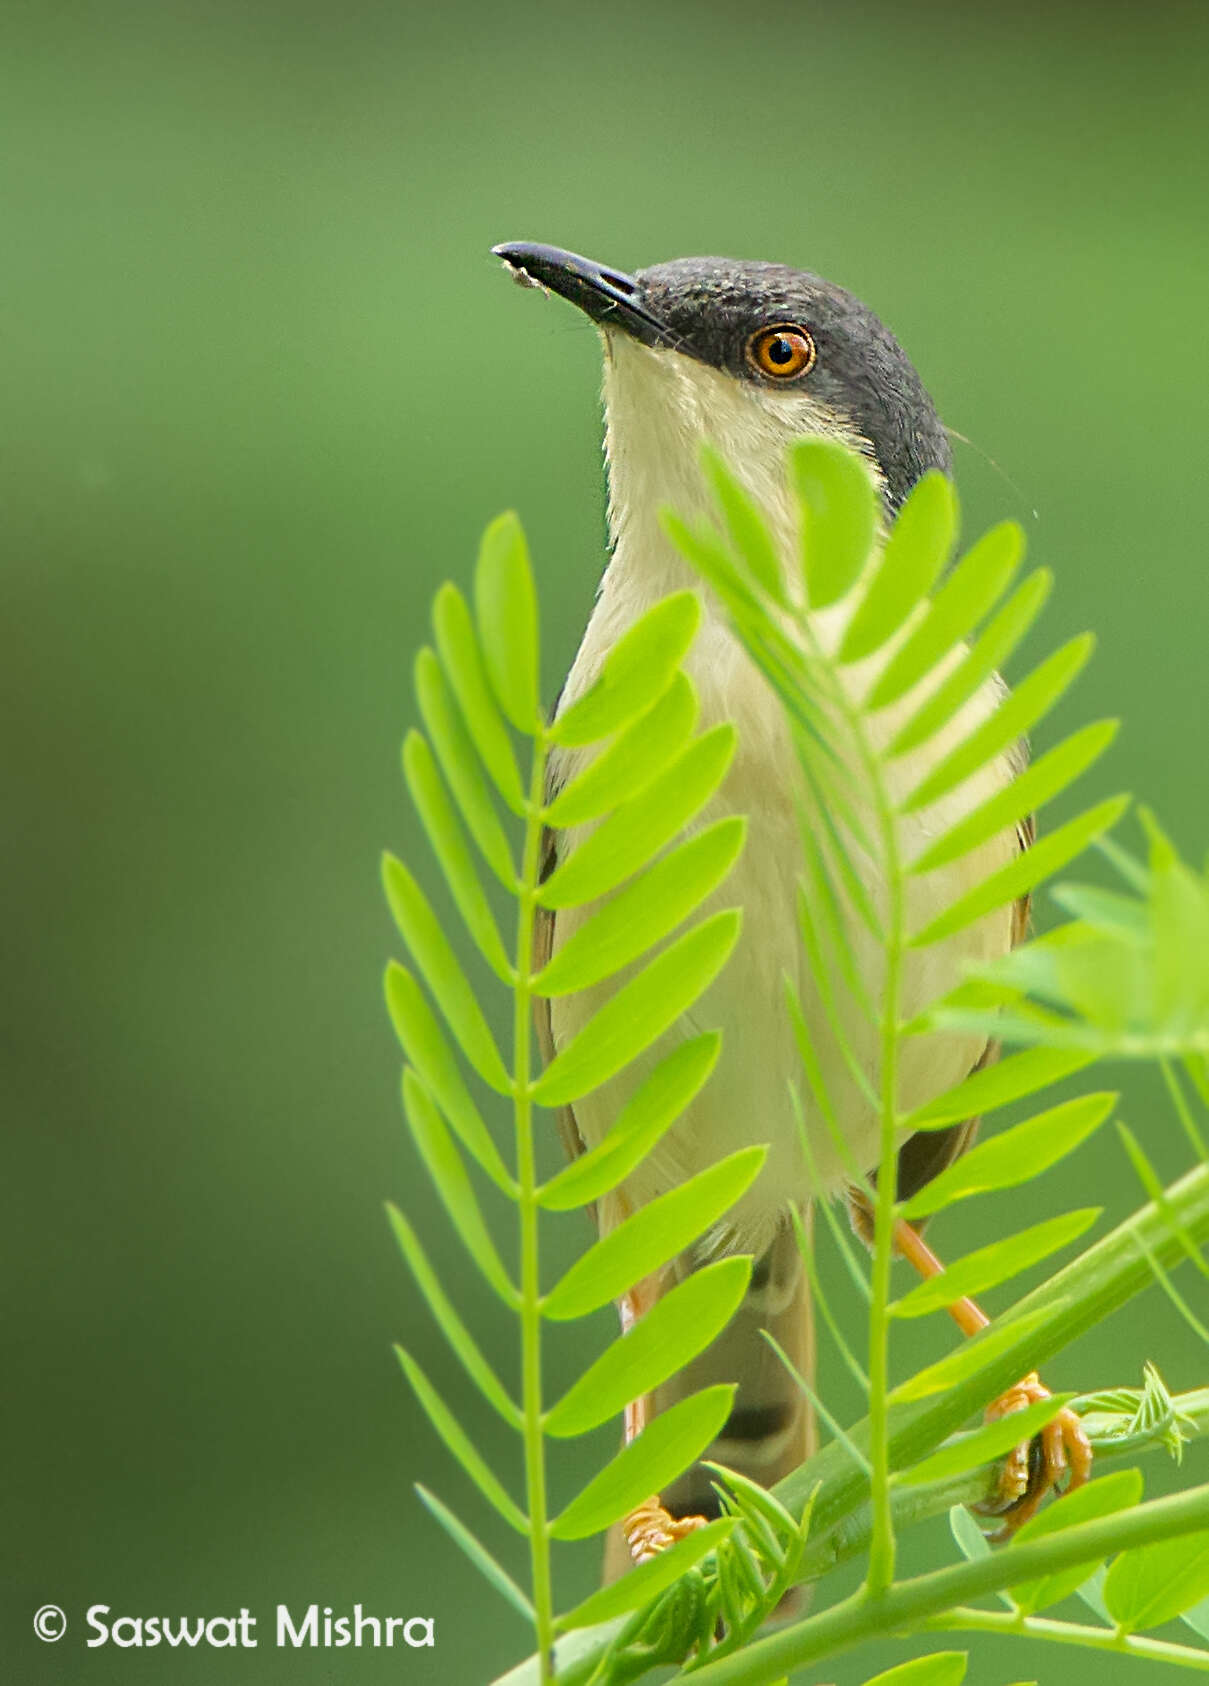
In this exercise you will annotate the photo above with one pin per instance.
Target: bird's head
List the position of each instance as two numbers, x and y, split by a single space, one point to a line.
747 357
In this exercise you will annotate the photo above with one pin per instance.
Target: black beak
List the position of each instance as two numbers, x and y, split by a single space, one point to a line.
606 295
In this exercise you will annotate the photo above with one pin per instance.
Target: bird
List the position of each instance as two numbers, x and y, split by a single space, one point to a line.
746 358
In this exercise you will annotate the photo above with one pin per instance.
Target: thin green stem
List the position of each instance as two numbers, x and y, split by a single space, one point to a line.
826 1549
526 1174
907 1606
881 1546
848 1538
965 1620
1109 1274
881 1549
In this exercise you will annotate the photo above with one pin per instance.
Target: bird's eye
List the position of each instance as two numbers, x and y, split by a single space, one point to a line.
782 351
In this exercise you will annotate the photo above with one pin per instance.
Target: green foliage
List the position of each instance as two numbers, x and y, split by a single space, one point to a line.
943 1668
1156 1583
895 718
1126 977
1119 1491
991 1265
647 777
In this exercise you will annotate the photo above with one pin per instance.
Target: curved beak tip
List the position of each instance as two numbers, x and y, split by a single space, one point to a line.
513 254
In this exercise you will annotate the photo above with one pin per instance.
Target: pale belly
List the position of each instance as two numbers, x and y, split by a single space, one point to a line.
748 1098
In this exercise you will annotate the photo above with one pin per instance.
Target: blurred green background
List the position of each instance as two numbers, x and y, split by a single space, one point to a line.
262 387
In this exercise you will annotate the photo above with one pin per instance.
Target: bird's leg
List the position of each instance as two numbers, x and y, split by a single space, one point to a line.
649 1529
1035 1466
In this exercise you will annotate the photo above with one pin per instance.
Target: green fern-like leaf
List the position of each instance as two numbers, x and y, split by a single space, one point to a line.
476 777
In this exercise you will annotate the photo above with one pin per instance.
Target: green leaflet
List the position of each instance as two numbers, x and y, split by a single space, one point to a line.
646 910
1016 1156
991 1265
635 832
838 513
637 670
713 561
463 662
1111 1493
459 1443
990 1441
971 591
425 1046
917 549
942 1668
646 1581
1153 1184
1107 910
968 1359
748 533
1155 1583
1027 794
677 1327
477 1552
1017 713
438 966
461 766
445 1167
997 1085
453 855
1179 902
506 609
1028 869
650 1111
1132 975
970 1538
990 651
652 1235
454 1330
640 1011
1198 1618
822 914
849 878
755 1501
666 1446
635 756
973 1543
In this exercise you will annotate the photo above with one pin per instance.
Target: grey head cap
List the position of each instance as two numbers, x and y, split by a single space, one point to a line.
710 309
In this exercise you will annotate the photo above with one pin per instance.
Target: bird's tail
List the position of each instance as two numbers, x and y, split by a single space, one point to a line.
771 1428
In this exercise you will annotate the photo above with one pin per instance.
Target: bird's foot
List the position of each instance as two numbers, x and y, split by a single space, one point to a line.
650 1529
1036 1466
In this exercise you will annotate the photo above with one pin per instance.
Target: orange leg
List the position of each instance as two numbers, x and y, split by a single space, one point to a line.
650 1528
1062 1445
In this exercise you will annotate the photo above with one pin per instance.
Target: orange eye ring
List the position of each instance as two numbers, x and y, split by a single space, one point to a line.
782 351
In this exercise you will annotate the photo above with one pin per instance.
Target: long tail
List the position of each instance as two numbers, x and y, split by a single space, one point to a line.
771 1428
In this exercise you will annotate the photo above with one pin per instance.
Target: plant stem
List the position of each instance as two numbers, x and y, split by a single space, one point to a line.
1179 1100
965 1620
881 1545
526 1175
894 935
910 1605
579 1652
1084 1293
913 1505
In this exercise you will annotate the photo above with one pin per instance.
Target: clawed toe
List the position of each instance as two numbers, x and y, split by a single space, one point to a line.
650 1529
1035 1467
